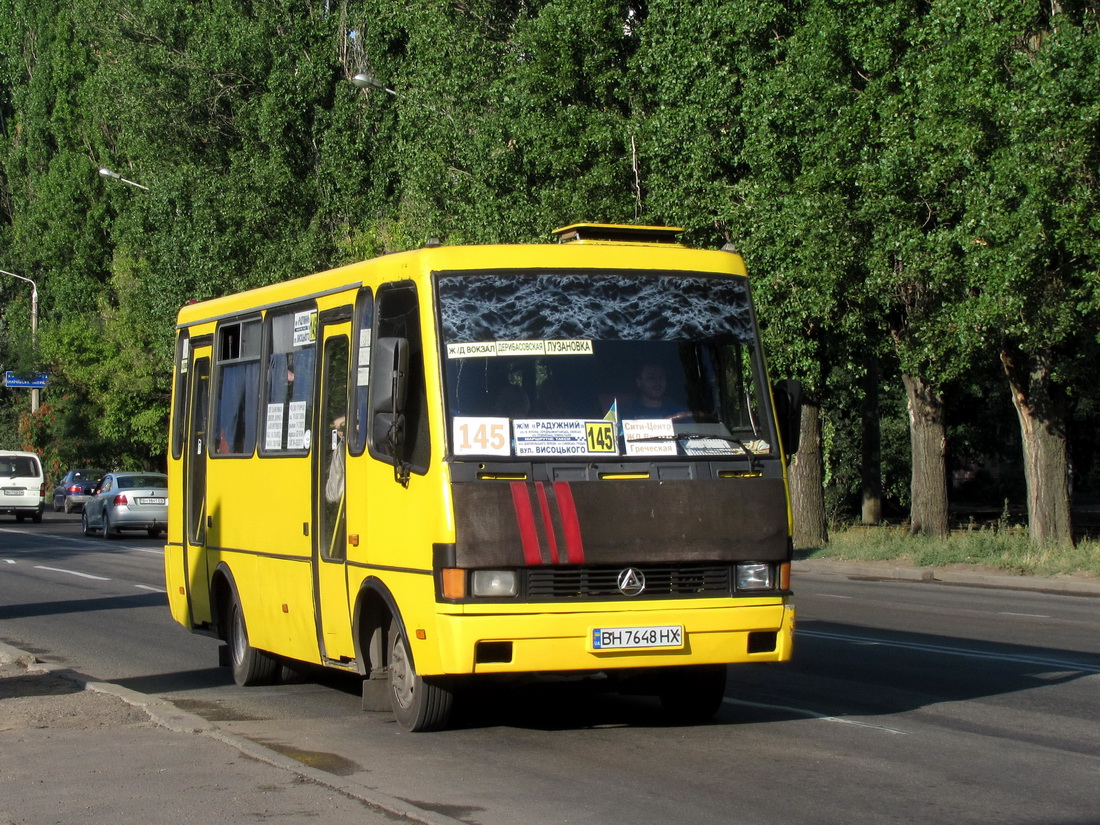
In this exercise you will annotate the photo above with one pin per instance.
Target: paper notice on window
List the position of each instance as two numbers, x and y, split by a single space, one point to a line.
362 373
296 426
481 436
510 349
636 431
711 446
305 328
565 437
273 432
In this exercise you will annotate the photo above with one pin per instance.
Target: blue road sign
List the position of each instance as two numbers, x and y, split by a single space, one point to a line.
36 383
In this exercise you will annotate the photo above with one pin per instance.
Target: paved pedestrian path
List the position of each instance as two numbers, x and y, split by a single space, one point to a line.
77 751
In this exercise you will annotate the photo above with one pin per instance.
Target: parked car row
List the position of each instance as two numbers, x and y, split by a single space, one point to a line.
109 502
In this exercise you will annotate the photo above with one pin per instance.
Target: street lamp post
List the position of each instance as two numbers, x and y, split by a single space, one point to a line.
34 326
107 173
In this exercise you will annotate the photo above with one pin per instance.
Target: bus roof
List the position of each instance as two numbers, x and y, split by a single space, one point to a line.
587 246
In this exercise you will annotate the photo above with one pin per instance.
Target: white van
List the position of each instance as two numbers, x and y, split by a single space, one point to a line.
22 486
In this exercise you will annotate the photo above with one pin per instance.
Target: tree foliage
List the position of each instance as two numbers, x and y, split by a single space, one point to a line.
913 184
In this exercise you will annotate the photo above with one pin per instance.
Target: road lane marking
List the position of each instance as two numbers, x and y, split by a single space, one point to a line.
147 587
1059 664
10 561
1025 615
813 714
72 573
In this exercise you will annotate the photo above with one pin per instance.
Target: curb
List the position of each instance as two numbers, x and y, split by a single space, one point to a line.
13 655
163 713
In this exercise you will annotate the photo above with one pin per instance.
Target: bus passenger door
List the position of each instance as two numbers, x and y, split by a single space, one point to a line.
194 470
330 498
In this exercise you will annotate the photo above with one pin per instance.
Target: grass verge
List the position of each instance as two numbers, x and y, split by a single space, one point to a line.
1007 550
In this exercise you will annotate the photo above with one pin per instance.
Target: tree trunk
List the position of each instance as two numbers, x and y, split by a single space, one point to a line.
871 458
928 435
1046 452
807 476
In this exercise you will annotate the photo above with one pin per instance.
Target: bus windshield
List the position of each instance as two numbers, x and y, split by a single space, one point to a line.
590 364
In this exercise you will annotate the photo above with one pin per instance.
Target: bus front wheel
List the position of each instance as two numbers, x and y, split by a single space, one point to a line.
250 666
418 703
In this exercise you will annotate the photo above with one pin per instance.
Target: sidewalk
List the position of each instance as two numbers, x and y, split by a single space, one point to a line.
958 575
75 750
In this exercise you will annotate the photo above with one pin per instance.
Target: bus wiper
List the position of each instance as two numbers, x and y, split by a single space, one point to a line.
701 437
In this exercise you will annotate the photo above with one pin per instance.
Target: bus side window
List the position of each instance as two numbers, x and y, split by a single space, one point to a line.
237 388
364 322
288 400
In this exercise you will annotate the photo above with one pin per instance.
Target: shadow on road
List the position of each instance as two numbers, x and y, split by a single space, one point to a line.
54 608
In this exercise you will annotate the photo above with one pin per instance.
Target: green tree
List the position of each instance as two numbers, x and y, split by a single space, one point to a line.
752 134
1035 238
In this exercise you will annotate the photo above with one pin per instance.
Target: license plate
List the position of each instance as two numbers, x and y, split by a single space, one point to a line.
151 500
637 638
10 492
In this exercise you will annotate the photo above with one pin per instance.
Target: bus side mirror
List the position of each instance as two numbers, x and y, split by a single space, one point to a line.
386 395
788 412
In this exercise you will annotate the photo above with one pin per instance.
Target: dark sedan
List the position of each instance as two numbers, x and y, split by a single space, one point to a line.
75 488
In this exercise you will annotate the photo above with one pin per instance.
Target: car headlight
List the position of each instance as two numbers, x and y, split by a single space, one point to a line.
494 583
755 576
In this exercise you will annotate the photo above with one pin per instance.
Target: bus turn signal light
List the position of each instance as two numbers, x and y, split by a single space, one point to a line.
454 583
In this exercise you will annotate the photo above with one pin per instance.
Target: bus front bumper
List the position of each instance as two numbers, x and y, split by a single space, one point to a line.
586 641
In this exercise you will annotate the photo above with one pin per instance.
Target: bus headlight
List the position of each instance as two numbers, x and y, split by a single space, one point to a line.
755 576
494 583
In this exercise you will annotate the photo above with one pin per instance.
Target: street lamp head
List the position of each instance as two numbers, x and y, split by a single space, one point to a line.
366 81
107 173
34 286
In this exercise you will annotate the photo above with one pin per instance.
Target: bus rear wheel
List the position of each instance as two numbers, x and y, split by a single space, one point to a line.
249 665
418 703
692 694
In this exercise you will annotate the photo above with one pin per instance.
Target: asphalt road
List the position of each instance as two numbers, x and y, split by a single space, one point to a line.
905 703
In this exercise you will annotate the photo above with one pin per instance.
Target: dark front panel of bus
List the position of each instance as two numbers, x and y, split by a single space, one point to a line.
511 524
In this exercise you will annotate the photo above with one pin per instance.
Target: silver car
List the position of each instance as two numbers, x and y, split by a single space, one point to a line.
127 501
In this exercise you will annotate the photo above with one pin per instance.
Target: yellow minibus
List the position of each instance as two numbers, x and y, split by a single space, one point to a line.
460 462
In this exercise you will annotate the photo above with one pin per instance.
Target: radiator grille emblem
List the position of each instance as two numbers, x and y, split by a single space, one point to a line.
631 581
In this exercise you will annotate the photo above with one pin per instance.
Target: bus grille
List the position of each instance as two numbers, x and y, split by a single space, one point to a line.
677 581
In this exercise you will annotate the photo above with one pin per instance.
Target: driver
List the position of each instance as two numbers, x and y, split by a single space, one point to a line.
652 401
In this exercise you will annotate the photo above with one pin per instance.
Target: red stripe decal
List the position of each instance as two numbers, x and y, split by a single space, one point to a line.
547 522
525 518
574 548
